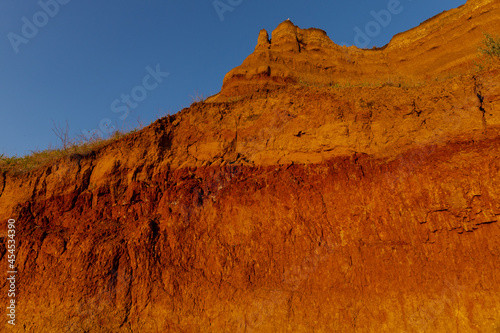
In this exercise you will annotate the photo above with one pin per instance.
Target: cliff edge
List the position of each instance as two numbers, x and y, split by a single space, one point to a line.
325 189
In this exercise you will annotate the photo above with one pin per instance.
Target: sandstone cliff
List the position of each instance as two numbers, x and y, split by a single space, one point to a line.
324 189
443 46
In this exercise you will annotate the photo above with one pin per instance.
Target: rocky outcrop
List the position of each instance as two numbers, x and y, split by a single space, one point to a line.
284 203
443 46
354 243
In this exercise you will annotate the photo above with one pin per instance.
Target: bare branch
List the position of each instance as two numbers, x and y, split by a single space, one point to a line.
61 132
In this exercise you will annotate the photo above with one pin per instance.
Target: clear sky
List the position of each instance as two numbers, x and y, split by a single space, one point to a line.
108 64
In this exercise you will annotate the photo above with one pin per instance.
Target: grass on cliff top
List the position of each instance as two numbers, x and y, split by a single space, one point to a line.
16 165
488 55
84 146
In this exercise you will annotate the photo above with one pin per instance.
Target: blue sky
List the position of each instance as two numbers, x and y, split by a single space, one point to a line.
84 61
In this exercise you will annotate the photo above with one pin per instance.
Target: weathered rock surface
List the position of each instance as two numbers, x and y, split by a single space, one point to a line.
440 47
280 205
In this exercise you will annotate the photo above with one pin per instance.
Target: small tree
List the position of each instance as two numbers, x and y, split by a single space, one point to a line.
61 132
491 46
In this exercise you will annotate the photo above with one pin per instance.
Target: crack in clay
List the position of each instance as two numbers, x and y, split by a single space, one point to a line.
480 97
4 181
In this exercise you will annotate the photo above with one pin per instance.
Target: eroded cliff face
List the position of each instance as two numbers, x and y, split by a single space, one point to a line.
440 47
279 205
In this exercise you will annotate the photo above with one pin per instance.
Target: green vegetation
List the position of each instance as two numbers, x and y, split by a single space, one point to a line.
488 53
491 46
304 83
80 147
234 99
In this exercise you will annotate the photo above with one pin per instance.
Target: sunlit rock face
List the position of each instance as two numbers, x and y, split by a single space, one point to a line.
325 189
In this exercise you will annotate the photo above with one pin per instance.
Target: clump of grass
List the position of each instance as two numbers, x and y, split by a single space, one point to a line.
197 98
81 146
234 99
22 164
18 165
304 83
491 46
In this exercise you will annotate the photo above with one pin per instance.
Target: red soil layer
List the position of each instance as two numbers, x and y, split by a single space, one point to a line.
280 205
